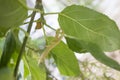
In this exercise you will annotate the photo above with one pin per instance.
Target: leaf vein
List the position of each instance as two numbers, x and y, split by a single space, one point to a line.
82 25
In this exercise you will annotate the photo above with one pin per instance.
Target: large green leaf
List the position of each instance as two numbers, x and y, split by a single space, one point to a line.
65 60
90 26
84 26
6 74
96 51
38 72
8 50
12 14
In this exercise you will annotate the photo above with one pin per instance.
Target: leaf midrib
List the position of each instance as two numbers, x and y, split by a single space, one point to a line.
64 15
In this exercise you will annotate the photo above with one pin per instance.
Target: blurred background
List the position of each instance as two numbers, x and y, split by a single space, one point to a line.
92 69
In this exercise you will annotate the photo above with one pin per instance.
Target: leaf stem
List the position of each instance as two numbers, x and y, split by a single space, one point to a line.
45 36
50 26
29 22
43 22
52 13
24 44
18 28
33 49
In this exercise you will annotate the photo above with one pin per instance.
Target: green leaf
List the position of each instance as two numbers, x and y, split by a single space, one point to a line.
38 72
12 14
92 31
6 74
88 25
75 45
100 56
65 60
26 68
18 42
16 48
8 50
2 40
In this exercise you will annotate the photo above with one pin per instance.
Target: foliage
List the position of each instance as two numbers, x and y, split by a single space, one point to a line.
11 15
84 30
6 72
59 53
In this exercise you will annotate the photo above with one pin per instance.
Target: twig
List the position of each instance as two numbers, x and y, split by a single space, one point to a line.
24 43
29 22
50 27
35 50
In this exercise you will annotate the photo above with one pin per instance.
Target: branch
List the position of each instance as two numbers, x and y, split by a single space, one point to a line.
24 43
